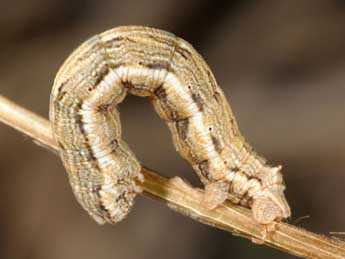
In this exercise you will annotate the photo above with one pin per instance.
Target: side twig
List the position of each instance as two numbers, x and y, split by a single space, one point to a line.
229 217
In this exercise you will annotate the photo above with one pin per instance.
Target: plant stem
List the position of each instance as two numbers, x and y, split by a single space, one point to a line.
229 217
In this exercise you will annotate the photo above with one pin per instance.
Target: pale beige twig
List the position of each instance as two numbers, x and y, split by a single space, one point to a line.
228 216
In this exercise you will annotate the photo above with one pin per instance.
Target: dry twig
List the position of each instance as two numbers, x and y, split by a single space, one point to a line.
229 217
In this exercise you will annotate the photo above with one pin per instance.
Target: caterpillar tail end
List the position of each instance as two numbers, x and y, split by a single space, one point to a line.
271 206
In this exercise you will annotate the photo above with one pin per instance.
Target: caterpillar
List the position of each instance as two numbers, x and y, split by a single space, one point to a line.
102 170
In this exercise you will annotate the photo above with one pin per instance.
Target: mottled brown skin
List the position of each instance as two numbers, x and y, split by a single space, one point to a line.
155 64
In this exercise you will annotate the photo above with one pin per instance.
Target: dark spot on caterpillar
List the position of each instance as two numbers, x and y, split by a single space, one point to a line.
130 40
61 86
91 155
182 51
127 85
160 97
160 92
160 66
102 73
61 146
96 188
120 197
182 128
216 96
156 66
78 106
114 144
60 95
111 44
119 38
235 169
203 167
103 209
104 107
217 145
196 98
78 120
174 115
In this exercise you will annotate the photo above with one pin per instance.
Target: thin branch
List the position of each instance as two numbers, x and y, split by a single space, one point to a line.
229 217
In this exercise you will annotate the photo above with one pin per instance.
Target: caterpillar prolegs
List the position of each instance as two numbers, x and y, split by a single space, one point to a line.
146 62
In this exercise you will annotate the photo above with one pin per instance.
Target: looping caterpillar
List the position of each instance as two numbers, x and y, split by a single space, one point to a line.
102 170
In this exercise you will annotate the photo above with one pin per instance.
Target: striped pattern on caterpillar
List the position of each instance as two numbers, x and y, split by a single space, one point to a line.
147 62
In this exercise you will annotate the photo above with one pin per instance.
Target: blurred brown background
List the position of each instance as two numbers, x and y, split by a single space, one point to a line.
282 65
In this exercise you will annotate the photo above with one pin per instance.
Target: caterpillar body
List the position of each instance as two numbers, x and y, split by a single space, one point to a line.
147 62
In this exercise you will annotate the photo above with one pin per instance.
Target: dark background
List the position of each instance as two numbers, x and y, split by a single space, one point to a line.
282 65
